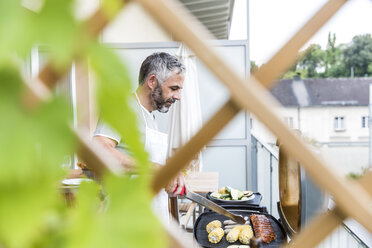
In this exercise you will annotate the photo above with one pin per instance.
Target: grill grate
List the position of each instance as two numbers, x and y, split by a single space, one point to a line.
201 234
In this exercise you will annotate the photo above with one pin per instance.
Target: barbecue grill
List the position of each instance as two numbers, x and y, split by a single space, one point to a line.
300 199
201 234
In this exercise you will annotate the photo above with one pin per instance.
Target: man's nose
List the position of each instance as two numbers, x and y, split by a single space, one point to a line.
177 96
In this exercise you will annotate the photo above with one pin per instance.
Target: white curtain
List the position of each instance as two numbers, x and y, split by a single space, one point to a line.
185 116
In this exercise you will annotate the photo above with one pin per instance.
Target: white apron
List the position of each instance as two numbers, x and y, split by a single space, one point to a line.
156 144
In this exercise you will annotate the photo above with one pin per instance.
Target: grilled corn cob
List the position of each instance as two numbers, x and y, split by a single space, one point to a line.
212 225
222 190
233 235
216 235
245 234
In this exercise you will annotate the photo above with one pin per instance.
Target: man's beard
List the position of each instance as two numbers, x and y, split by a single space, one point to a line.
159 101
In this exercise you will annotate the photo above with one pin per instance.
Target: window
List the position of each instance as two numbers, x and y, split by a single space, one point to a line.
289 121
364 121
339 123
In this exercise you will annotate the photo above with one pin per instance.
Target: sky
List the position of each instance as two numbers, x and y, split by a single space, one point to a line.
273 22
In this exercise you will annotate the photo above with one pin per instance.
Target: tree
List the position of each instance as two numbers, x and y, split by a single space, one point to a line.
370 68
334 66
312 60
291 73
358 55
330 57
335 61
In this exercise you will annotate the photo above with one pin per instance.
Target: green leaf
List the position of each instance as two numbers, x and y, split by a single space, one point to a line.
10 27
35 143
127 219
83 224
114 95
57 28
112 7
32 149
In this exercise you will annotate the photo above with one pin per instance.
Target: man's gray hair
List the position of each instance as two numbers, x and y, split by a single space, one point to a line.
160 64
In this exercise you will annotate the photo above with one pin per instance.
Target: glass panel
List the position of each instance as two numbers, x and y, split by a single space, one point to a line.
341 238
342 123
215 94
336 123
236 129
364 121
230 162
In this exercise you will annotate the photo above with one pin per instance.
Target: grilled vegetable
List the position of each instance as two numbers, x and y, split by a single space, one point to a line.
233 235
216 235
248 193
228 189
236 194
216 195
229 193
245 234
212 225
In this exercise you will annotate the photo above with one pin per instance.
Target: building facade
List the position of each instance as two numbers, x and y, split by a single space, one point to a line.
332 114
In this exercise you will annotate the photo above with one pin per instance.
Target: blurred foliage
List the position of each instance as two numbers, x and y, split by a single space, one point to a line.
253 67
33 146
356 175
335 61
34 143
291 74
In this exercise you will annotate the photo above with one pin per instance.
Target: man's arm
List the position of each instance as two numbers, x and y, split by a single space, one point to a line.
175 186
109 145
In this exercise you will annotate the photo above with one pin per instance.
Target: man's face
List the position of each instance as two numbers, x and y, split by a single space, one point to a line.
168 93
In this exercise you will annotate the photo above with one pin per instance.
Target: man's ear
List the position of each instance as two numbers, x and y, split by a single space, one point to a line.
152 82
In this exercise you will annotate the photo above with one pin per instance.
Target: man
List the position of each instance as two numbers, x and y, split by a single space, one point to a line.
161 78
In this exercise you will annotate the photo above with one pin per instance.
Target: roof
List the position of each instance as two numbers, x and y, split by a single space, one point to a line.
215 15
322 92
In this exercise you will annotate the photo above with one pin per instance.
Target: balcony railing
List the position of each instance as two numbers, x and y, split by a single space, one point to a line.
264 161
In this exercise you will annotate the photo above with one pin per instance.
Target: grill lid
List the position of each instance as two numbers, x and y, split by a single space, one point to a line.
300 198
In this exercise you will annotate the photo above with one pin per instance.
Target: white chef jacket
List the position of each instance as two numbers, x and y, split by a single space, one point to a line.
156 144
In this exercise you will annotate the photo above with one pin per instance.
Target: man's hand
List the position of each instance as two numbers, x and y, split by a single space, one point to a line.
177 185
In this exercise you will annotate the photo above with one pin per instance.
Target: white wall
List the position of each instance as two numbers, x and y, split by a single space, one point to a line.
347 150
346 159
318 123
133 24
